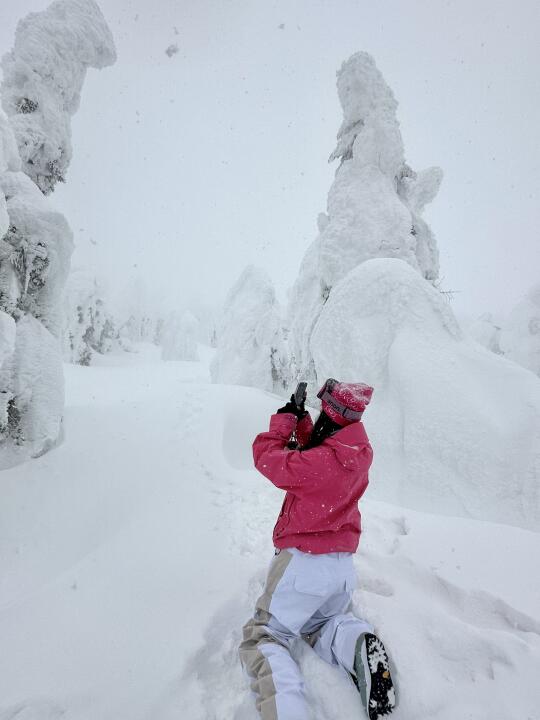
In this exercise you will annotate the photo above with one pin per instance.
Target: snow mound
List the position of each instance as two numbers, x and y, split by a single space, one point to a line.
43 78
455 429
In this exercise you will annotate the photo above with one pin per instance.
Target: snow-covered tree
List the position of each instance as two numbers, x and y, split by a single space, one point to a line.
35 261
136 314
179 337
43 76
89 327
520 333
250 345
375 203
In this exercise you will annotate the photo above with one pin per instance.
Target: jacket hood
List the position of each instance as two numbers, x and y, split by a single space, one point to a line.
347 444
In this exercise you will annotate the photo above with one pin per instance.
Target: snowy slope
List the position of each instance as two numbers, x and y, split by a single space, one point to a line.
131 555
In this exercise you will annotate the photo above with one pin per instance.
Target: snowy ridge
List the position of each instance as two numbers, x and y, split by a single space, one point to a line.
132 562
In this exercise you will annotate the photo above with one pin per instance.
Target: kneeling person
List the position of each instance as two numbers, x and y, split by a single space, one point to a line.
311 578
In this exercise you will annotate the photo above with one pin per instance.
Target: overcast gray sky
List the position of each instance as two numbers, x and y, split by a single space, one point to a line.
187 168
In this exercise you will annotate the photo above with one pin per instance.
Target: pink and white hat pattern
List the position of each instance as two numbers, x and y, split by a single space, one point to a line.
344 403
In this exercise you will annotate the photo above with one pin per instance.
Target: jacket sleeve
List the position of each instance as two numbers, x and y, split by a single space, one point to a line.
303 430
289 470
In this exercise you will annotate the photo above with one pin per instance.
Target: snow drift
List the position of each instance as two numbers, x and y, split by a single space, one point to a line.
455 429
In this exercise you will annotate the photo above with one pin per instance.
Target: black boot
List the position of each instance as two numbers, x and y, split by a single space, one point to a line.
372 677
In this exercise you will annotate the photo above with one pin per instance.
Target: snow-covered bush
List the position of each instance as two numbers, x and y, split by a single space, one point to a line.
455 429
179 337
374 205
43 78
520 333
250 346
88 325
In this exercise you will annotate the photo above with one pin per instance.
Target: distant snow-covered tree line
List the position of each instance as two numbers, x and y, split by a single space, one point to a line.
43 77
96 323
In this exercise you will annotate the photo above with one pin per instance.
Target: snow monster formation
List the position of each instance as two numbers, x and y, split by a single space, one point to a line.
375 203
455 428
43 76
43 79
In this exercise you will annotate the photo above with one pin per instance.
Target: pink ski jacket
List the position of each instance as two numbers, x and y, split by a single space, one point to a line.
320 511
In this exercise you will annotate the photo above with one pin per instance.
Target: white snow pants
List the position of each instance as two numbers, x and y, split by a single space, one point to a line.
305 596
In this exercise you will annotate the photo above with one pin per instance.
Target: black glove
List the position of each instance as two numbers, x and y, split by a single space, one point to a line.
291 407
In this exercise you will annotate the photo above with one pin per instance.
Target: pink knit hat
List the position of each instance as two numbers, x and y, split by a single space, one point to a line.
344 403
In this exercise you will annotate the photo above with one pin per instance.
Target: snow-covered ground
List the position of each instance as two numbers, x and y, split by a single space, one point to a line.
131 555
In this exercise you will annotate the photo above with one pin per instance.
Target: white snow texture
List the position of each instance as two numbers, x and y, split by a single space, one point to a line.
130 563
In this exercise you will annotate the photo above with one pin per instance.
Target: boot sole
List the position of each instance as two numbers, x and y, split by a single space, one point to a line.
380 693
